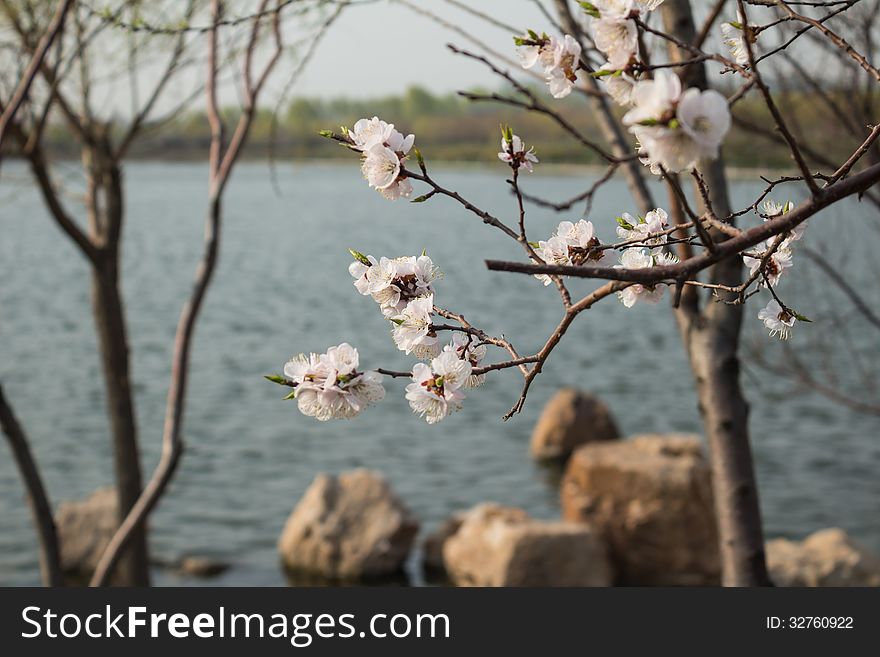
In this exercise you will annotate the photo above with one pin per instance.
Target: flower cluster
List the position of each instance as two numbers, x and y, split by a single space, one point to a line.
435 390
413 332
648 230
781 258
776 317
404 290
393 283
648 237
560 59
616 36
571 244
513 151
614 33
676 129
384 152
328 386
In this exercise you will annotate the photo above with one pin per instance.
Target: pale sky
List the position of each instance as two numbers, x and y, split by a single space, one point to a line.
374 49
385 47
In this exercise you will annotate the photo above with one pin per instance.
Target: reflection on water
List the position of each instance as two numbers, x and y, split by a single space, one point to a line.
283 287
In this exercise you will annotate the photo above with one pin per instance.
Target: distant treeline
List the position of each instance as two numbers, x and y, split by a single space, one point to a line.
449 127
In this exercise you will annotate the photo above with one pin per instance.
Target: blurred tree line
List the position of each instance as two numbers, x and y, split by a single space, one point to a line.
451 128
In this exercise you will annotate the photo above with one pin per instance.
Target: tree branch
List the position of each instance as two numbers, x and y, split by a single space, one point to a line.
38 500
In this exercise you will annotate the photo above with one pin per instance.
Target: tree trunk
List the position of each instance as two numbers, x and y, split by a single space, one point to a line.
711 337
105 225
38 499
113 344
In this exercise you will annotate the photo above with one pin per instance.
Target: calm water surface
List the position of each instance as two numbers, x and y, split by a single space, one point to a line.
283 287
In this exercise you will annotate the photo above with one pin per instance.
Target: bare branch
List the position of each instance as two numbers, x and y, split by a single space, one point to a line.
38 500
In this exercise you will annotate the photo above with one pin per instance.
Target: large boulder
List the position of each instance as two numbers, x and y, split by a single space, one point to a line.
503 546
432 546
350 526
571 418
651 497
85 527
829 557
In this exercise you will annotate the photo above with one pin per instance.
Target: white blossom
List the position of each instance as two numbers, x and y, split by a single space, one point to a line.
514 153
674 129
468 348
434 392
393 282
735 41
648 5
614 8
617 39
619 86
553 251
639 258
645 229
773 210
328 386
654 99
400 188
734 36
566 61
571 244
384 151
361 274
381 166
367 133
705 116
780 261
778 320
536 52
559 58
412 330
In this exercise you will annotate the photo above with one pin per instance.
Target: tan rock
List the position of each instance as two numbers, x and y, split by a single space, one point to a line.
651 497
829 557
348 527
203 567
85 527
571 418
503 546
432 547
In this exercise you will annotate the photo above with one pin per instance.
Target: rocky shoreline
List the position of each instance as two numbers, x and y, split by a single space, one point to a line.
633 512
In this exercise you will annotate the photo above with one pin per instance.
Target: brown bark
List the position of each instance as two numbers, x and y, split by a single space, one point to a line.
106 212
113 343
38 500
222 159
711 337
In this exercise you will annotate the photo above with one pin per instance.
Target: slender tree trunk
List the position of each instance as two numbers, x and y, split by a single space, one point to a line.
105 208
38 500
711 337
113 344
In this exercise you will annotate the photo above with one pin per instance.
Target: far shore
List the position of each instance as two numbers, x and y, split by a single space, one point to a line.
543 169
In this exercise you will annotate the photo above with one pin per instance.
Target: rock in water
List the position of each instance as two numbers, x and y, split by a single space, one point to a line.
203 567
85 527
829 557
651 497
503 546
571 418
350 526
432 547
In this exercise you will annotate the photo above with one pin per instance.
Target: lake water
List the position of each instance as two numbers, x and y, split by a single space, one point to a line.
282 287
